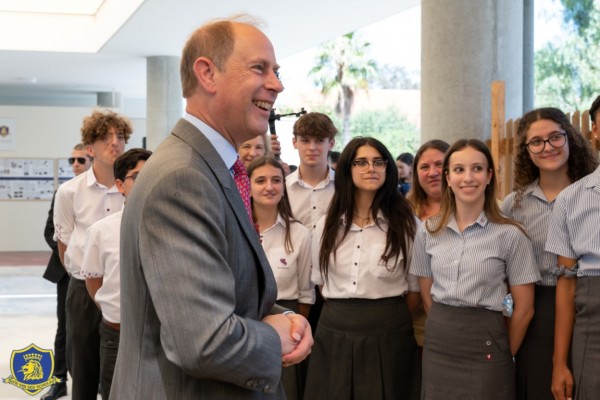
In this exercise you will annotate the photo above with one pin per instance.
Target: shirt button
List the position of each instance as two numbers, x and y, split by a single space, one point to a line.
355 263
354 283
314 208
488 343
358 247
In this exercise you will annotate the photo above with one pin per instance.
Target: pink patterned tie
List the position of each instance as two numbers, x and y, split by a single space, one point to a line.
243 184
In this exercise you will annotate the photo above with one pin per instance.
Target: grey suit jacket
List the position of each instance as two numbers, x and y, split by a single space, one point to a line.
194 283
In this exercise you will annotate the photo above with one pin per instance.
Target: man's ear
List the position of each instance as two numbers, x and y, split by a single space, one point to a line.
120 186
205 71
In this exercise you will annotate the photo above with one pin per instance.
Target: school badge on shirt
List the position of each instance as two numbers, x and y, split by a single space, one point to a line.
32 369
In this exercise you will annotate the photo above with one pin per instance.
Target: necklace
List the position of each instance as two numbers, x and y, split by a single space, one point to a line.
362 221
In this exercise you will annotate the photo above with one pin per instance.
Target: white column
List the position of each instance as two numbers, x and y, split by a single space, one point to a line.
467 44
164 103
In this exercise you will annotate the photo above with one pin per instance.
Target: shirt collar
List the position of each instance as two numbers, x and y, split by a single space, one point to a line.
593 181
278 221
482 221
90 180
226 151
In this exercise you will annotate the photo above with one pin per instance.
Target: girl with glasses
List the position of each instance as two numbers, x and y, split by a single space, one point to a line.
551 155
464 257
364 344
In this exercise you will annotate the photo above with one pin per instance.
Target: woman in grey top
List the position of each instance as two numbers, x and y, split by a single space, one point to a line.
551 155
464 257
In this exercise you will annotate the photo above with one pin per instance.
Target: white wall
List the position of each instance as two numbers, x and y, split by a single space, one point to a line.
42 132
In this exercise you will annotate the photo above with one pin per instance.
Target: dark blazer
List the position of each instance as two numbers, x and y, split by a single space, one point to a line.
55 270
194 283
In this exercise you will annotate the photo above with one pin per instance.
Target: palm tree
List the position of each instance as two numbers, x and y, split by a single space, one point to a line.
343 66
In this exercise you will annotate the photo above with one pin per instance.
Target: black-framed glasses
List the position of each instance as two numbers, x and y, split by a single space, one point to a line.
556 140
80 160
379 165
133 176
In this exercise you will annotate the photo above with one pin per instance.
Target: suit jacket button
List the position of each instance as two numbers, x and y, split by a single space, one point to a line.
251 383
267 388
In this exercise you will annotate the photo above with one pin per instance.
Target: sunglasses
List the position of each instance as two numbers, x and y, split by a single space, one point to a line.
80 160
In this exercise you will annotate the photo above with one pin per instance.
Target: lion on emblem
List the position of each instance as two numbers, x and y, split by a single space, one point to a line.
32 370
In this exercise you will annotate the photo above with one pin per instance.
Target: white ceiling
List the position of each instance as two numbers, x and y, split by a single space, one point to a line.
160 27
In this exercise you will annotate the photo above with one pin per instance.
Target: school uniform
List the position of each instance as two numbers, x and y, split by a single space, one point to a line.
101 260
79 203
292 274
574 233
533 361
364 346
467 353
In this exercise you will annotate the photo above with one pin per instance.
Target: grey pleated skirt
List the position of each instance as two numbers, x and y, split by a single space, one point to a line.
533 361
364 349
586 339
466 355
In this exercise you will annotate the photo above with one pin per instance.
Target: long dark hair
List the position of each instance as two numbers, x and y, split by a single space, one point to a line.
395 209
283 207
580 163
417 196
490 206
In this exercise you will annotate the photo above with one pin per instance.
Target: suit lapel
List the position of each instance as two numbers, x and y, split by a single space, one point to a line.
191 135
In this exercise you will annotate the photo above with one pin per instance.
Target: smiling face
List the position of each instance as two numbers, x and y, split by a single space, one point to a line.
251 149
368 178
429 170
266 186
551 158
468 176
247 86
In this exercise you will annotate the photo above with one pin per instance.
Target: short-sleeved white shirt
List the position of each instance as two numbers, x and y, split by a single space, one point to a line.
101 259
359 269
79 203
309 203
291 270
574 231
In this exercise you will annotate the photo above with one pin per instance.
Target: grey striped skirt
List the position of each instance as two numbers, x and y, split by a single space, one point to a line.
586 339
466 355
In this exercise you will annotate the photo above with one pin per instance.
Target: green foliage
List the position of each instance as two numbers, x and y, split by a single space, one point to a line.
343 66
566 75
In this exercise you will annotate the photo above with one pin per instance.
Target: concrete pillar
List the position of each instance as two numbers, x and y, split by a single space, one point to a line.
467 44
109 99
528 55
164 102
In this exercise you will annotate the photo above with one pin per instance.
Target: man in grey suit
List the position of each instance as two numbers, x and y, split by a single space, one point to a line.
198 319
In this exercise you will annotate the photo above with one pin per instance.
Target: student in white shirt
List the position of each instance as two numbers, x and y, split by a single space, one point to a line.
465 257
287 245
101 266
79 203
364 346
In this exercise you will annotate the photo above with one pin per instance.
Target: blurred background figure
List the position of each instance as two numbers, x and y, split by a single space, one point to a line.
404 162
334 157
254 148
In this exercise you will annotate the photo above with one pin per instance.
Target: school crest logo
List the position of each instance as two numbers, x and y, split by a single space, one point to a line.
32 369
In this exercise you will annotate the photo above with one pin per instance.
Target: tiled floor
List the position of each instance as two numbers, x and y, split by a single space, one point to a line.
27 312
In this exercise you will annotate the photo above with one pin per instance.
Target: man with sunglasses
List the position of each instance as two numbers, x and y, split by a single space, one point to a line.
55 272
80 202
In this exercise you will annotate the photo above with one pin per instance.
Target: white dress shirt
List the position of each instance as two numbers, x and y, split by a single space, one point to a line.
359 270
101 260
79 203
309 203
291 270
